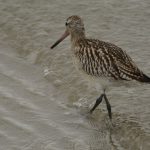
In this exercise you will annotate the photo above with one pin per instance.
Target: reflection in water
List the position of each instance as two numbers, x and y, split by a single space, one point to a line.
101 134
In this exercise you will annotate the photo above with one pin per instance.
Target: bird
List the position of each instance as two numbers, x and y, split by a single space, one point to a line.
99 59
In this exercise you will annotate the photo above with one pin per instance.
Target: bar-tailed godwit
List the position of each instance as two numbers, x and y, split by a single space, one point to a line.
100 59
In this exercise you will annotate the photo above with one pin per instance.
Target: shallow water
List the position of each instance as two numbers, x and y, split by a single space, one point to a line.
44 101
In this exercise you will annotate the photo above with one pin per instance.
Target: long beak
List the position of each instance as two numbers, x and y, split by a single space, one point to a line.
61 39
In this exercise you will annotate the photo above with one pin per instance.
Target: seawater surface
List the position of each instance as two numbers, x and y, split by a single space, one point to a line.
44 101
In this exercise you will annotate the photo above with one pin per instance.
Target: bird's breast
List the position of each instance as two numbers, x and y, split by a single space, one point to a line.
85 62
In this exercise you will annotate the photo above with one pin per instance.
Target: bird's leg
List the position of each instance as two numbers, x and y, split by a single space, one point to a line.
108 106
98 101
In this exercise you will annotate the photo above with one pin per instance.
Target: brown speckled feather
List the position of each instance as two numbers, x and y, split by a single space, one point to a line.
100 58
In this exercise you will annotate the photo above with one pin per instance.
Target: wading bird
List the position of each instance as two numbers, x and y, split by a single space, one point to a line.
99 59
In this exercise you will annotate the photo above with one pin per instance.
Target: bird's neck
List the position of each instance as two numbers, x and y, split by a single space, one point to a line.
76 37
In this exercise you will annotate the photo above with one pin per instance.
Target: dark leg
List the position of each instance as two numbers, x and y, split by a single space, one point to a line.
108 107
98 101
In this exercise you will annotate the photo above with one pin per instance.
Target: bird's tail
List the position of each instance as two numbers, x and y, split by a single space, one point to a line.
145 79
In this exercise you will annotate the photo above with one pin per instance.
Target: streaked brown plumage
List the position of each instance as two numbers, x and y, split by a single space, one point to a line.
100 59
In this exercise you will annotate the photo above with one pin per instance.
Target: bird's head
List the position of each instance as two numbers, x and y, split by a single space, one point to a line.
74 27
74 24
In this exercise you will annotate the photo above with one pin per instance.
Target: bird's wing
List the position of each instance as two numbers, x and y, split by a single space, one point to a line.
101 58
127 69
116 63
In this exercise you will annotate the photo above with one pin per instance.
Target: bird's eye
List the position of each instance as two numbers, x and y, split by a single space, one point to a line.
66 23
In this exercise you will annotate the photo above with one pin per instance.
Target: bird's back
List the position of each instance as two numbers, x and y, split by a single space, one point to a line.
103 59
